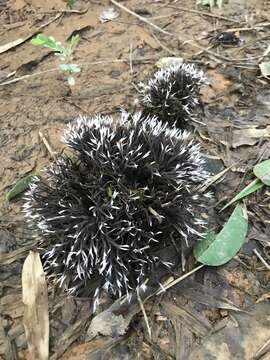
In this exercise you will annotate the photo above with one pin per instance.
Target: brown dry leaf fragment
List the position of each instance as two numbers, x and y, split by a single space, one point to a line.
6 347
207 296
243 337
115 320
249 136
183 339
10 257
12 306
36 315
195 322
70 335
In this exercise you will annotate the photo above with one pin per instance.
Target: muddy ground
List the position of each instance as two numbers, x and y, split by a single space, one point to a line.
235 130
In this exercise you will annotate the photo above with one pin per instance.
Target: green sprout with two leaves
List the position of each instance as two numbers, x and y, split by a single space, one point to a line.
64 53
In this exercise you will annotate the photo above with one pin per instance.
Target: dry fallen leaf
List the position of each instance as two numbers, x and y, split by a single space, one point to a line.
109 14
36 315
169 61
249 136
115 320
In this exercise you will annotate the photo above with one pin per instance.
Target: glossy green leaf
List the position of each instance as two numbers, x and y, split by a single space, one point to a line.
20 186
249 189
262 171
218 249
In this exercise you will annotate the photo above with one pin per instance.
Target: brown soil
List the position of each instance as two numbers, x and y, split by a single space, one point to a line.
114 56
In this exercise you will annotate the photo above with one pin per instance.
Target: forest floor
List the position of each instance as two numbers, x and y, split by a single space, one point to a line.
218 312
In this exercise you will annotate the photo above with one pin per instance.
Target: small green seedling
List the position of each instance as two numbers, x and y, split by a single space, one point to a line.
262 172
210 3
64 53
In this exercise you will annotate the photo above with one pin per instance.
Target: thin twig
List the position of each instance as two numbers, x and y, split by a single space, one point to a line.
202 51
101 62
215 55
162 45
235 51
176 281
140 17
211 181
130 58
262 351
47 145
261 258
144 314
204 14
155 214
67 11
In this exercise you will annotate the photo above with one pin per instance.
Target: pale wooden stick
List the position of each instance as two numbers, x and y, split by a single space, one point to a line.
176 281
261 258
47 145
144 313
140 17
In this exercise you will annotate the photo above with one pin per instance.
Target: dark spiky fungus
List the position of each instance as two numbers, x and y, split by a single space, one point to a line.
172 93
128 189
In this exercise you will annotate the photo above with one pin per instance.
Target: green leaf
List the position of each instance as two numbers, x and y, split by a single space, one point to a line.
20 186
71 45
38 40
218 249
48 42
249 189
74 41
71 68
64 67
74 68
262 171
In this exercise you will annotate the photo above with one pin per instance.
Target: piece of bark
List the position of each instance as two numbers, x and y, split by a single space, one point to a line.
35 299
